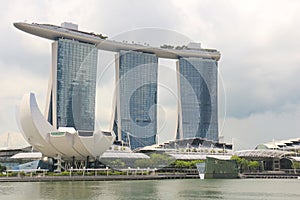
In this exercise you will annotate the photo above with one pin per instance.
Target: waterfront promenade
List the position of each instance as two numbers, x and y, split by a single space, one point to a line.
95 178
270 176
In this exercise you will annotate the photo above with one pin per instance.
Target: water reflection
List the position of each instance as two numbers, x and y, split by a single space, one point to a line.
156 189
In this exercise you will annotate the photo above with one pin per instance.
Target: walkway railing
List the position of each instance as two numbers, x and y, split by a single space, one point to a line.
128 171
31 171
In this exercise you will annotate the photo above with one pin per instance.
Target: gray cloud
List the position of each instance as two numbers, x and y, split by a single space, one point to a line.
259 42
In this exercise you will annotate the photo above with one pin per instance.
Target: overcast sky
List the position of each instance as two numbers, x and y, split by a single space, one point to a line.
259 68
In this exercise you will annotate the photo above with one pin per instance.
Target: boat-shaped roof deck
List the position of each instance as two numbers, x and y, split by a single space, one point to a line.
53 32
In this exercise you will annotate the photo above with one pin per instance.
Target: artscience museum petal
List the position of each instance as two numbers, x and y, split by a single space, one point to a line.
65 142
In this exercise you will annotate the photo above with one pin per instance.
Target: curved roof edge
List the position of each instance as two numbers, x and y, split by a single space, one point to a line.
263 153
293 143
53 32
51 142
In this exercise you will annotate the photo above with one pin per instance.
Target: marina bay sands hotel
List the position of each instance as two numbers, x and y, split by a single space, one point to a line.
72 86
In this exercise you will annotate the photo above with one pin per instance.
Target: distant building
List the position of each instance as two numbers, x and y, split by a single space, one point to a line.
72 88
198 98
136 113
70 107
220 167
287 145
12 143
271 160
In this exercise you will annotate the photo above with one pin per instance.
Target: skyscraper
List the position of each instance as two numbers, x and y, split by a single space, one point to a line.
71 96
198 99
72 88
136 112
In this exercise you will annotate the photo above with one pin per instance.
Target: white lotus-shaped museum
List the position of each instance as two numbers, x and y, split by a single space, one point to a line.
65 142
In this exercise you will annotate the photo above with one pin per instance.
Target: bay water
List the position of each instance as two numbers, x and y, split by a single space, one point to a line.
173 189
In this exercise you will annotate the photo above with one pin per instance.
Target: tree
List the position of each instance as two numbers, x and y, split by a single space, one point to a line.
253 165
118 163
143 163
186 164
167 46
296 165
246 164
2 168
180 164
242 163
155 160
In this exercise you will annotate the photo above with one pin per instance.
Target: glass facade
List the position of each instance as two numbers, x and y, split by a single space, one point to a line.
136 114
198 100
75 85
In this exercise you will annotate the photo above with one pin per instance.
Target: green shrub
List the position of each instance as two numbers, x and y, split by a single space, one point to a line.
296 165
2 168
